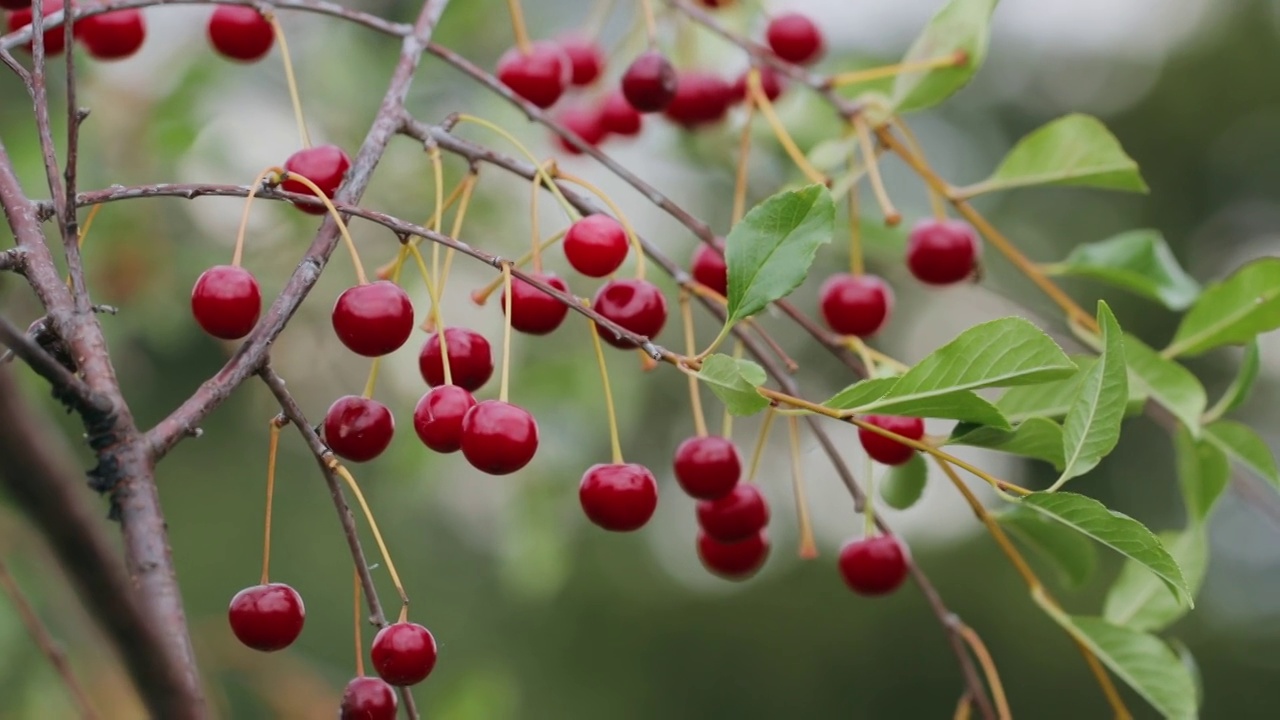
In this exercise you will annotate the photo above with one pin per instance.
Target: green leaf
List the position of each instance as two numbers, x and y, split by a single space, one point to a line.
963 405
1072 553
1115 530
1051 399
734 381
1036 437
1243 446
1138 599
769 252
960 26
903 484
1092 427
1139 261
1231 312
1203 473
1241 386
1189 662
1167 382
861 393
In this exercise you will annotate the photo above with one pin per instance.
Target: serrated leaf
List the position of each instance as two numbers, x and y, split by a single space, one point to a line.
1166 382
867 396
1138 599
1053 399
1238 391
1115 530
734 381
1072 150
1244 446
1072 553
1139 261
903 484
861 393
1203 473
1231 312
770 250
1092 427
960 26
1036 437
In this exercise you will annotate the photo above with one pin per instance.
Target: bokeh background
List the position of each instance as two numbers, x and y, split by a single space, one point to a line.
538 613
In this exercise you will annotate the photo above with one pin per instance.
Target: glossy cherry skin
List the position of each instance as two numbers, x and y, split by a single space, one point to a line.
649 83
267 617
709 268
498 438
539 77
403 653
373 319
585 121
226 301
437 418
586 60
358 429
733 560
532 310
239 32
771 82
620 498
795 38
855 305
470 359
368 698
701 98
596 245
707 467
636 305
873 566
886 451
324 165
941 252
112 36
55 39
617 117
736 516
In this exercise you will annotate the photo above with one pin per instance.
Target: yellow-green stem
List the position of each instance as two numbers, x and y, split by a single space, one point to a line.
437 319
891 215
238 253
272 446
695 393
359 642
762 441
337 218
518 26
853 77
761 100
569 210
615 443
290 79
744 156
506 331
808 547
342 472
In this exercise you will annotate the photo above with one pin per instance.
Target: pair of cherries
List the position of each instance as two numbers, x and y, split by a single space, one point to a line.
106 36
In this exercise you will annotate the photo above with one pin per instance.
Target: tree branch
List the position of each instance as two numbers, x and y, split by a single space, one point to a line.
68 388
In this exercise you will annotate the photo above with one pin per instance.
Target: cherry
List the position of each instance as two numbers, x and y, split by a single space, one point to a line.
368 698
856 304
882 449
267 617
324 165
636 305
373 319
438 417
941 252
618 497
733 560
532 310
498 438
358 428
649 83
795 38
55 39
709 267
596 245
873 566
239 32
617 117
226 301
701 98
586 60
114 35
15 4
540 76
470 361
713 4
736 516
586 122
403 653
707 467
771 82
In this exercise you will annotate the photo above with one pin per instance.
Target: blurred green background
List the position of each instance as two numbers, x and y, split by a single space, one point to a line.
539 614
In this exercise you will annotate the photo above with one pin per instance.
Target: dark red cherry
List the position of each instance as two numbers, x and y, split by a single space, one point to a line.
617 117
733 560
438 417
874 566
585 121
701 98
368 698
736 516
636 305
941 252
596 245
470 360
586 60
373 319
358 429
532 310
15 4
112 36
795 38
540 77
498 438
55 39
620 498
887 451
226 301
403 653
855 304
649 83
707 467
713 4
324 165
239 32
267 617
709 268
771 82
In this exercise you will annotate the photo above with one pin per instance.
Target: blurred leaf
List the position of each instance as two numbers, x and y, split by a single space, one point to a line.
1241 385
960 26
903 484
1231 312
1139 261
1138 600
1167 382
734 381
1092 427
1189 662
1037 437
831 156
1203 473
1072 553
1243 445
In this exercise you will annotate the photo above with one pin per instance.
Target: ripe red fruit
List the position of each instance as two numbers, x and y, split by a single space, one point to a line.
882 449
403 653
713 4
112 36
438 417
368 698
733 560
649 83
771 82
620 498
586 60
55 39
636 305
795 38
358 429
941 252
267 617
855 304
373 319
499 438
701 98
596 245
617 117
709 268
470 360
324 165
736 516
707 467
586 122
874 566
239 32
532 310
226 301
540 76
15 4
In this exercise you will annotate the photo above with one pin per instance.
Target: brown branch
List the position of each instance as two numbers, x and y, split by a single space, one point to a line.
14 260
67 387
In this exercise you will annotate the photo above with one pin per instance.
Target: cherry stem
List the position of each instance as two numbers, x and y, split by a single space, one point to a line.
481 296
238 253
856 261
517 24
980 652
964 707
726 422
853 77
808 547
84 232
599 18
744 156
437 171
337 218
506 331
614 442
358 623
468 188
936 201
617 212
384 271
342 472
762 440
759 99
650 23
569 209
273 445
437 320
373 378
535 242
289 78
869 510
695 394
891 215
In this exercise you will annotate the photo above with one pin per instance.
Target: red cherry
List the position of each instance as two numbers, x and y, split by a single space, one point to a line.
226 301
649 83
438 417
324 165
358 429
499 438
707 467
239 32
713 4
882 449
403 653
586 122
470 361
617 117
709 268
874 566
734 560
373 319
15 4
539 77
368 698
736 516
701 98
267 617
941 252
596 245
620 498
55 39
586 60
532 310
113 35
795 38
636 305
771 82
856 305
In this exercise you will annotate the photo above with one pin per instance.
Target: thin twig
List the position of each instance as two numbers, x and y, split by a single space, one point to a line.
71 389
